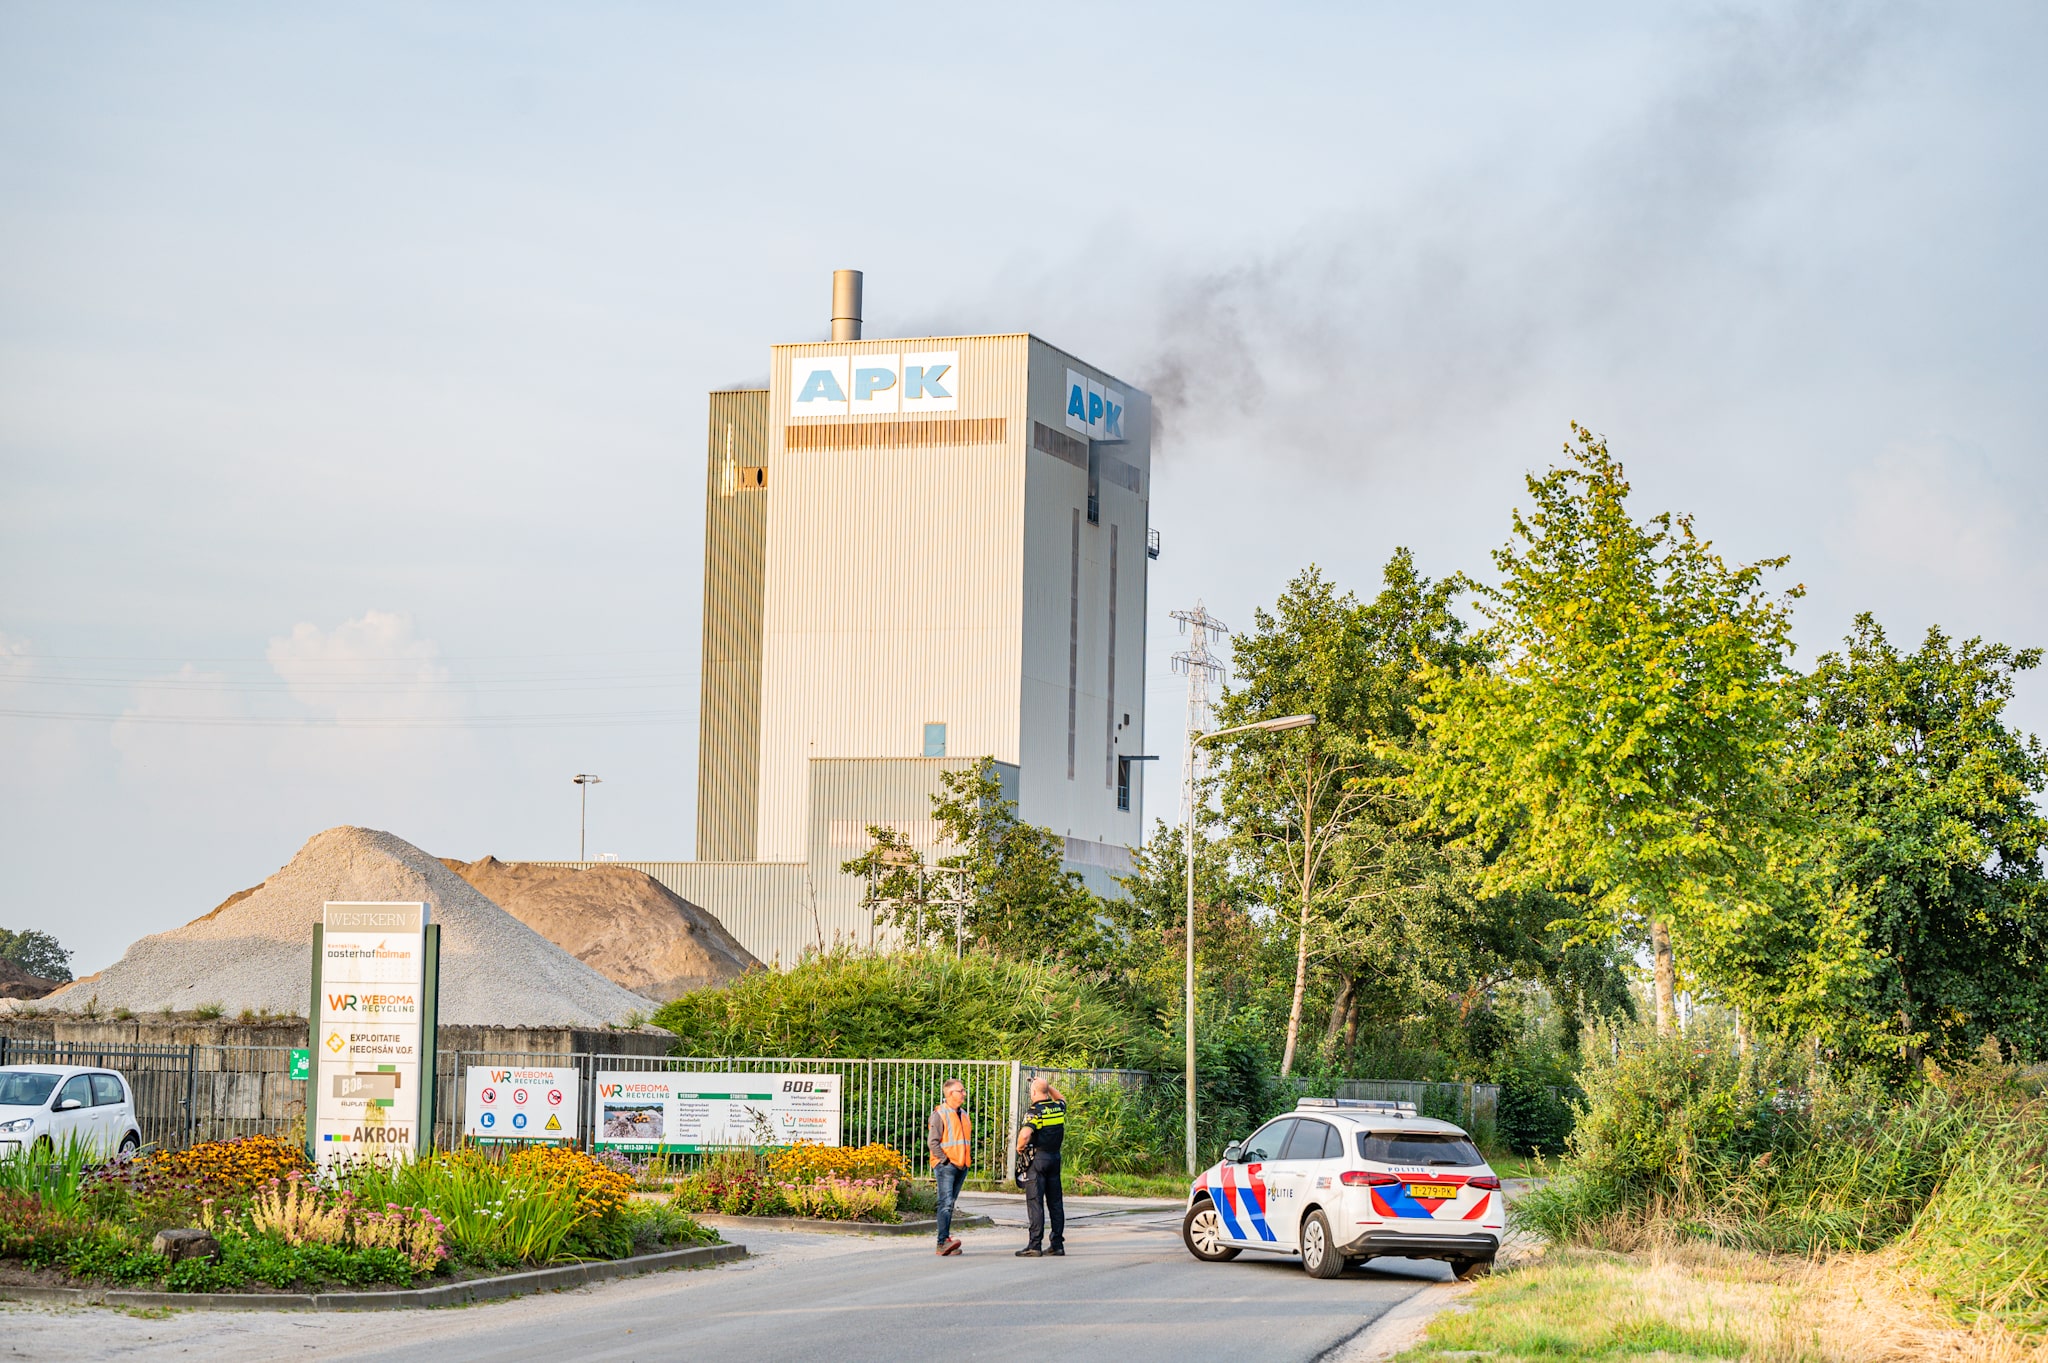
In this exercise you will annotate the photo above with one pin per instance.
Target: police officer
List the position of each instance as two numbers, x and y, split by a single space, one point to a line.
1045 1126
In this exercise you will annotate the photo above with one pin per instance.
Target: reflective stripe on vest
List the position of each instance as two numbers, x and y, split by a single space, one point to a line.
955 1144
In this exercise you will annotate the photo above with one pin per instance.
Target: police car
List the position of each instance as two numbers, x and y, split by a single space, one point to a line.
1342 1180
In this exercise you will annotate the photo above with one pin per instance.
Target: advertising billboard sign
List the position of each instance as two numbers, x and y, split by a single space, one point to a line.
685 1112
374 972
510 1103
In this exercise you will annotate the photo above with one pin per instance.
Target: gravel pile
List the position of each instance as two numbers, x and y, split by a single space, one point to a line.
255 951
617 920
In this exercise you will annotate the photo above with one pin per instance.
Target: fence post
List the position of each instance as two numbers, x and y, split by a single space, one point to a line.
1005 1166
191 1092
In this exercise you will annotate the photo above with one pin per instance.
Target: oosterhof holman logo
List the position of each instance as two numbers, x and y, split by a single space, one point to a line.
874 385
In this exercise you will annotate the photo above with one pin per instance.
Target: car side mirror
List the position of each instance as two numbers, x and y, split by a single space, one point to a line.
67 1104
1233 1153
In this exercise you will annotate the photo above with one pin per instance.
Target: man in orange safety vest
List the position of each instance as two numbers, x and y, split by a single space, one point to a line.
952 1157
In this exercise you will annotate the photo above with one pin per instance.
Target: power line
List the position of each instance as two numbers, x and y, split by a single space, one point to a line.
619 719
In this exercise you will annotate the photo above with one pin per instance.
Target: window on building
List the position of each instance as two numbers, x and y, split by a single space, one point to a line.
1123 783
934 740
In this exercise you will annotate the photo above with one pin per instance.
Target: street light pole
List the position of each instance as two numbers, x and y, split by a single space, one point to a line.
585 780
1188 1000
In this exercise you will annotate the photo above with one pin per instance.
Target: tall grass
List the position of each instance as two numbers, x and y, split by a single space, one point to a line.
56 1175
1678 1139
491 1212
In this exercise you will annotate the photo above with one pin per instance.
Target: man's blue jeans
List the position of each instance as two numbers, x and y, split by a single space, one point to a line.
951 1177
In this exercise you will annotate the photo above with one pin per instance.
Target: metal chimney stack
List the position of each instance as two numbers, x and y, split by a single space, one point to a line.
846 305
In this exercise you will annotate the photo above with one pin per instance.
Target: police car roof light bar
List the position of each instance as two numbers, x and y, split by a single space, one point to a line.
1398 1109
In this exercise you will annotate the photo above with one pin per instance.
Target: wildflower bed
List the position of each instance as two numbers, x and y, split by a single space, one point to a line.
826 1183
280 1225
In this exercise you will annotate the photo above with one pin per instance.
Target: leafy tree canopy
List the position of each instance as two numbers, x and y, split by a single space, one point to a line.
36 952
1930 793
1005 887
1621 745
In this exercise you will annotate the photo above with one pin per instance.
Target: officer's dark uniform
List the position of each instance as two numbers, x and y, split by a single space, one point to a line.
1042 1190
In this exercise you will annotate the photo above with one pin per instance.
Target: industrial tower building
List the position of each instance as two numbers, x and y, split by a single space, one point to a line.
918 552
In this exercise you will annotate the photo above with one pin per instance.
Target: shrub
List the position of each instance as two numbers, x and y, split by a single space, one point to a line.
1111 1130
807 1162
652 1226
733 1184
1678 1135
172 1185
1530 1119
930 1004
31 1230
598 1188
492 1212
843 1199
107 1253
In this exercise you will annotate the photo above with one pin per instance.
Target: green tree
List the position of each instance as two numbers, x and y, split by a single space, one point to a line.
1622 744
1004 885
1908 756
1296 802
37 952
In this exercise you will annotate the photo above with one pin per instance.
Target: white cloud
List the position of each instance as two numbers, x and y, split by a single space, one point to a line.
373 667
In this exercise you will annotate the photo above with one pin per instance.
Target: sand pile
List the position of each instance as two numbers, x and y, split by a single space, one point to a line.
16 983
615 919
255 950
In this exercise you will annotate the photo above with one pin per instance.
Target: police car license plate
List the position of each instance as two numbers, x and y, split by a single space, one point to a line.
1433 1190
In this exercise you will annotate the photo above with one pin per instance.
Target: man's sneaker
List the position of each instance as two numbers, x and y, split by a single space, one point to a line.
951 1246
1030 1254
1057 1253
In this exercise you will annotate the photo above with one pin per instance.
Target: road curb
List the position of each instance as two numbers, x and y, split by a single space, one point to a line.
1398 1329
449 1294
928 1226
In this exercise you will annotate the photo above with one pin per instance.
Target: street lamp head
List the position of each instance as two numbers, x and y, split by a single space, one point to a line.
1285 722
584 778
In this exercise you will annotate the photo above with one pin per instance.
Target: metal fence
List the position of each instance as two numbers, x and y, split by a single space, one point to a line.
190 1093
186 1094
887 1102
1466 1104
1130 1081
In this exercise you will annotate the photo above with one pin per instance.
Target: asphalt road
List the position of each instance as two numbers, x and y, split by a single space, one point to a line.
1126 1291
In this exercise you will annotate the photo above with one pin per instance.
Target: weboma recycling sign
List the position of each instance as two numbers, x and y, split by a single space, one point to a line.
512 1104
685 1112
375 972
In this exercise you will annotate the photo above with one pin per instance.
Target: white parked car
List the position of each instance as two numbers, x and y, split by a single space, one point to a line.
53 1105
1342 1180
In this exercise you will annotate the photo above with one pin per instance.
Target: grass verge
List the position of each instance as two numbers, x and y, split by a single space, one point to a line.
1700 1301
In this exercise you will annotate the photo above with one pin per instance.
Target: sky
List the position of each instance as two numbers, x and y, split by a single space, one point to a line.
353 359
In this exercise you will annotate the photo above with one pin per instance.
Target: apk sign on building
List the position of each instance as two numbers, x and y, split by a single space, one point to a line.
375 970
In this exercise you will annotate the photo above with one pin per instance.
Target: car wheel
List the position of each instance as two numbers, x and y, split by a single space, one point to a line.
130 1143
1202 1231
1319 1248
1467 1269
44 1145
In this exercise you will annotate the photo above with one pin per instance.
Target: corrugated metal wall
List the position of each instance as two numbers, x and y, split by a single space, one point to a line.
1074 696
894 577
848 795
735 535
